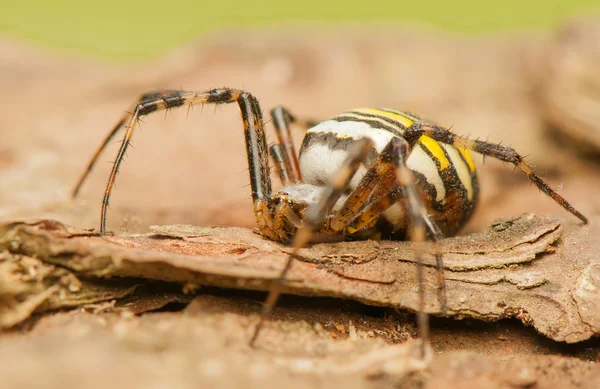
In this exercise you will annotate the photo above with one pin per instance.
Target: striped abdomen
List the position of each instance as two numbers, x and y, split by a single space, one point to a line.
445 175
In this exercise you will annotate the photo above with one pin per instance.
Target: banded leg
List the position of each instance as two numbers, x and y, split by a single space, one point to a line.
503 153
379 179
380 205
110 135
436 236
282 119
281 164
393 158
416 233
314 218
253 129
354 216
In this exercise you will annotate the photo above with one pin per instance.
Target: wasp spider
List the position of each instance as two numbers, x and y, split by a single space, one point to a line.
367 173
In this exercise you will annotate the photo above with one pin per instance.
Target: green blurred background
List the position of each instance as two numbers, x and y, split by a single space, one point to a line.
122 30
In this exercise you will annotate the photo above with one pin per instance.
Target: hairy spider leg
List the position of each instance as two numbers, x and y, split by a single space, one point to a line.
395 154
111 134
313 220
287 166
416 232
390 175
503 153
436 236
389 171
282 118
281 163
377 191
255 138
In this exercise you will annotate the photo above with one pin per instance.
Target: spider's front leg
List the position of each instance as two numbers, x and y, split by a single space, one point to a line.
313 220
379 189
256 145
388 181
143 98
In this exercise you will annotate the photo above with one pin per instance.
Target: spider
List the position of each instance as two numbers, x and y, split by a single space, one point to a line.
364 174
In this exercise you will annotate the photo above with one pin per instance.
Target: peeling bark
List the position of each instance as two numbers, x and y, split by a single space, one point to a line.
518 268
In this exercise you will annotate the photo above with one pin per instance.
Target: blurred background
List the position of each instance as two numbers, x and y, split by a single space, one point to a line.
126 30
517 72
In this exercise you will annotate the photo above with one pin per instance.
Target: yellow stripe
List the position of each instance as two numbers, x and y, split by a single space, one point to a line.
465 153
462 169
436 150
406 122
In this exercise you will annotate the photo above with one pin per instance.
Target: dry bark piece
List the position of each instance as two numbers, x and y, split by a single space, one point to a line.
28 285
491 275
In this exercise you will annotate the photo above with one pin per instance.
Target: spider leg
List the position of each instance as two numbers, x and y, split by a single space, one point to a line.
381 179
436 236
397 186
282 164
314 218
393 158
107 139
377 207
255 138
94 159
380 176
282 119
416 232
503 153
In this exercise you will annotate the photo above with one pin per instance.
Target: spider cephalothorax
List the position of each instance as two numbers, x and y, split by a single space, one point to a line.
366 173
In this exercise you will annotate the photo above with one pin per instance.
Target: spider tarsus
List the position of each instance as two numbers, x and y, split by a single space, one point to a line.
256 332
442 300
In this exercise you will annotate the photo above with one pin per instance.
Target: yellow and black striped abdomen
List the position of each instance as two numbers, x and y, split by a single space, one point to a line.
445 175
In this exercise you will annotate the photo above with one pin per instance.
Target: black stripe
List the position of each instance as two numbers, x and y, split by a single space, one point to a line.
384 118
422 182
437 205
174 101
407 115
154 95
472 173
328 139
220 95
256 146
147 107
368 116
372 123
466 165
464 208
